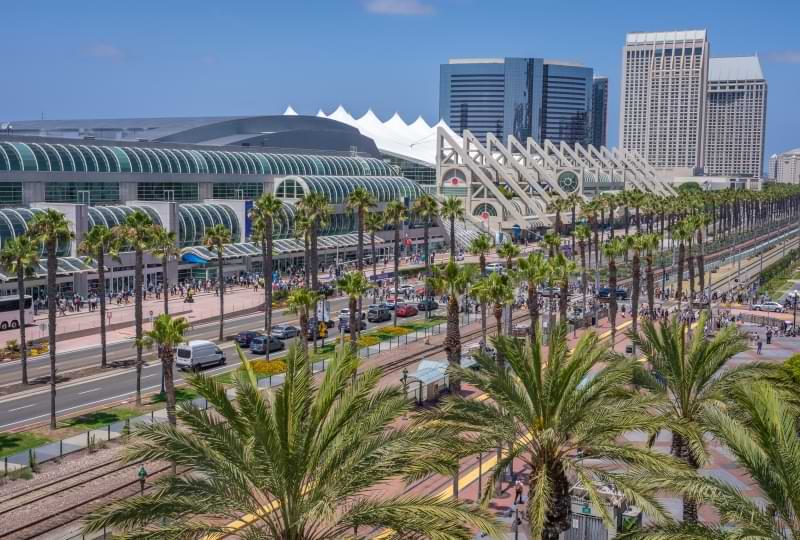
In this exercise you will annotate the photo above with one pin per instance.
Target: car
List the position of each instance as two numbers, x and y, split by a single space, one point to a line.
382 305
605 292
345 314
390 304
428 305
344 326
495 267
326 289
244 338
285 331
405 310
547 292
378 314
769 306
198 354
259 344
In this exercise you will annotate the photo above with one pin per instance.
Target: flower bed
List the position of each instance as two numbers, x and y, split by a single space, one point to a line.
393 331
264 368
368 341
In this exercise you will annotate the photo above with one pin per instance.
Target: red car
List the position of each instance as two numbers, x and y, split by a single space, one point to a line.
406 310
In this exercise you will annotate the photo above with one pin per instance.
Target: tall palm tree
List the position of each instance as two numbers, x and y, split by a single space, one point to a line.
302 302
426 209
563 269
302 229
557 205
681 233
167 333
497 289
355 285
612 249
20 256
453 280
342 441
51 228
563 415
100 243
553 243
215 239
481 245
452 209
360 201
164 244
690 380
264 212
637 244
533 270
374 224
137 234
650 245
508 251
395 214
317 211
760 432
583 234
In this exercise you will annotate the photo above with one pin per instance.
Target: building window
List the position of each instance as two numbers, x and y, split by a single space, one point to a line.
237 190
289 189
10 193
167 191
82 192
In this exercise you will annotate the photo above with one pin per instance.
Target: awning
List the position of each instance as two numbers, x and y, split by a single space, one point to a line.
64 266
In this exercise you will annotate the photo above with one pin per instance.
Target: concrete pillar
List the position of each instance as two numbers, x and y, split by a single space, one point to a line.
205 190
32 192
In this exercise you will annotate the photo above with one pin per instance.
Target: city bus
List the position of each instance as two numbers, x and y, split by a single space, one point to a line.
9 311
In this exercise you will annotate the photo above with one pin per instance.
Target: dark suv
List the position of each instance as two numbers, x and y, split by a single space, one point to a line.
244 338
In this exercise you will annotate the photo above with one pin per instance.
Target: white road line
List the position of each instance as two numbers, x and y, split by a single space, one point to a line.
87 391
148 376
20 408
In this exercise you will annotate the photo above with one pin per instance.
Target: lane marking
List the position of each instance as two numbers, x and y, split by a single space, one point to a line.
23 407
87 391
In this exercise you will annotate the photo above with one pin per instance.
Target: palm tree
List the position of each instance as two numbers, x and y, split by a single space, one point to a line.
553 243
354 285
508 251
426 208
650 245
534 271
395 213
564 416
583 234
760 432
452 209
302 229
453 281
167 333
612 249
680 233
51 228
557 205
691 380
264 212
345 440
360 201
498 289
215 239
374 224
98 243
563 269
137 234
20 256
638 244
317 211
481 246
302 302
164 244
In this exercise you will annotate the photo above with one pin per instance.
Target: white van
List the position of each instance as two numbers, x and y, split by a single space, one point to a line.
198 354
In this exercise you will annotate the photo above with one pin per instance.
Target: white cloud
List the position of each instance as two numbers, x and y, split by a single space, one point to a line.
399 7
104 50
784 57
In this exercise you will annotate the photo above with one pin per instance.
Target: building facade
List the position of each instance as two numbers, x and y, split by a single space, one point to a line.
522 97
735 118
599 111
662 106
785 167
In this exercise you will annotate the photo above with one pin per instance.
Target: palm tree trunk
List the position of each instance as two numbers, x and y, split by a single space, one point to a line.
314 262
635 289
374 256
690 264
498 318
452 341
559 515
612 299
452 237
137 298
266 269
701 271
396 261
584 278
651 291
353 323
563 300
23 344
221 280
51 330
306 261
533 308
165 283
304 331
101 275
679 279
426 230
572 245
167 360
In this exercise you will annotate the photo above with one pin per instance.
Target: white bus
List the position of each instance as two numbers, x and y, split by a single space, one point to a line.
9 311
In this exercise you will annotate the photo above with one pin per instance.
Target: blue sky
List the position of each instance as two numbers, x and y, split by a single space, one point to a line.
92 59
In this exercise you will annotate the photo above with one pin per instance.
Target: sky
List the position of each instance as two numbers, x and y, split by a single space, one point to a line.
146 58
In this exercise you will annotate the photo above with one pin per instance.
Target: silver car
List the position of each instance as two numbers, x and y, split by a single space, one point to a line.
285 331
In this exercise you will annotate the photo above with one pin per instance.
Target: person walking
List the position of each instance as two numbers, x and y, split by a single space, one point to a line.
759 346
518 488
769 336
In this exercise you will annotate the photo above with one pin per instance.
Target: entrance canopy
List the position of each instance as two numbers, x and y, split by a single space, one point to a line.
65 266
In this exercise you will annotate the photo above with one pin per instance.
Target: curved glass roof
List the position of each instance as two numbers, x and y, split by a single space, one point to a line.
194 219
337 188
84 157
111 216
14 222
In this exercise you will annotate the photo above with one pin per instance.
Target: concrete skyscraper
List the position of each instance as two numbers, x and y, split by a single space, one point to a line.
599 111
664 77
523 97
735 117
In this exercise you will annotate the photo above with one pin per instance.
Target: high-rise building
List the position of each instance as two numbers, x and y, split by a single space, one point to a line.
664 77
785 167
523 97
735 117
599 111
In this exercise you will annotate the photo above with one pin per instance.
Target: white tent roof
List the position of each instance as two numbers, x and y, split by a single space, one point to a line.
415 141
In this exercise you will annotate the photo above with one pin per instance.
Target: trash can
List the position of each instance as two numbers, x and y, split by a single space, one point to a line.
628 349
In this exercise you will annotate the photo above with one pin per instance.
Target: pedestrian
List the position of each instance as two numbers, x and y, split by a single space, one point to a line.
769 336
759 346
518 492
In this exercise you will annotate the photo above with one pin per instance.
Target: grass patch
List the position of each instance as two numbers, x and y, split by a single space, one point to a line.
12 443
96 420
423 324
181 394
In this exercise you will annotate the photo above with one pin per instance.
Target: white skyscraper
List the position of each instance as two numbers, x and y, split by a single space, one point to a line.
736 112
785 167
664 77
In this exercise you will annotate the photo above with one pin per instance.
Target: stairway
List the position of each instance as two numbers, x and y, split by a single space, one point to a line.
466 232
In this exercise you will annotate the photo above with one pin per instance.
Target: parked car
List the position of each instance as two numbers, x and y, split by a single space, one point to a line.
382 305
428 305
345 314
285 331
605 292
495 267
198 354
344 325
769 306
244 338
259 344
547 292
405 310
378 314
